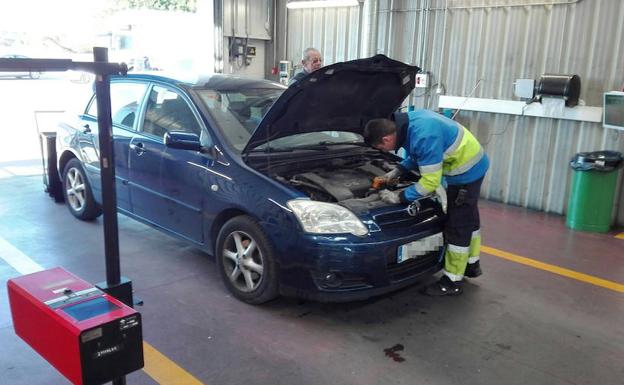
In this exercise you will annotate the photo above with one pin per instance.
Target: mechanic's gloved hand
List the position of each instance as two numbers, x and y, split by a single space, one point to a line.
389 196
440 192
394 174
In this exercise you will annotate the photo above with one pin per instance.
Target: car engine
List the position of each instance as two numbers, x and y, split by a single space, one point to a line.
344 180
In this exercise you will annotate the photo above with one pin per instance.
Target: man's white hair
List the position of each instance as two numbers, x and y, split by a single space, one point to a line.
306 53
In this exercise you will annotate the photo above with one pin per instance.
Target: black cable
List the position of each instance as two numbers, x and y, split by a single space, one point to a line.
615 134
421 95
426 92
511 120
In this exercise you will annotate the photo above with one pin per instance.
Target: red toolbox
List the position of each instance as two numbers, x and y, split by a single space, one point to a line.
87 335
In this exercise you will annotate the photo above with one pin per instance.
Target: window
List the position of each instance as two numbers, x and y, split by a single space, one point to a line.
168 111
92 107
238 112
125 99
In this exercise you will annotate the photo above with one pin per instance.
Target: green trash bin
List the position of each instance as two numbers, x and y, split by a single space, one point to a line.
593 190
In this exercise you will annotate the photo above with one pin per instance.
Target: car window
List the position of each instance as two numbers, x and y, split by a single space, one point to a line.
238 112
92 110
167 111
125 99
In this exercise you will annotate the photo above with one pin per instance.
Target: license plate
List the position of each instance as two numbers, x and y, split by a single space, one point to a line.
420 247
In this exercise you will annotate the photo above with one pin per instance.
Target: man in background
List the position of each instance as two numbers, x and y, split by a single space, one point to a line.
311 61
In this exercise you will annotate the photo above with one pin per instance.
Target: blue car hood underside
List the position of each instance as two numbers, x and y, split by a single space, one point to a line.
340 97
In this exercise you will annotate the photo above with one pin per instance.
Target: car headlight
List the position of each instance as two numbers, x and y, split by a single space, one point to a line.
326 218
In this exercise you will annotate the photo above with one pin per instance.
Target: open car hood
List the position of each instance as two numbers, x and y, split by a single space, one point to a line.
340 97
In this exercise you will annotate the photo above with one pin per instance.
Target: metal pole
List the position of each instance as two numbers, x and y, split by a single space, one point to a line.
109 197
107 159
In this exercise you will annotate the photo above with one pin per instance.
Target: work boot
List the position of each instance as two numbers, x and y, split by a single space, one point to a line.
444 286
473 270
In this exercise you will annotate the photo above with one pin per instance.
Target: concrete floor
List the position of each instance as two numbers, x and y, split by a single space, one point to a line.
514 325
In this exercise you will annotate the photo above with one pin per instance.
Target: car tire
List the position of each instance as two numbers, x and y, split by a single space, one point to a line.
78 193
251 278
35 75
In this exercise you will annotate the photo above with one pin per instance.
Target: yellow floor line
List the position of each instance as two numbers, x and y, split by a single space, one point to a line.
620 236
554 269
163 370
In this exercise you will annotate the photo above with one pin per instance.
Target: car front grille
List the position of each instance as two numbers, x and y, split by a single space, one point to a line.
401 218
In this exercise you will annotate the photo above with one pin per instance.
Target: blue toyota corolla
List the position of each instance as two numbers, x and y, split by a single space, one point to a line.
275 182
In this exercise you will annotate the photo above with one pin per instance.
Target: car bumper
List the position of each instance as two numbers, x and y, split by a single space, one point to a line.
339 269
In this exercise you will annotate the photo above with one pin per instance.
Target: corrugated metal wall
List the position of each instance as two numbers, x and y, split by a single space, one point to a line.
334 31
251 22
492 43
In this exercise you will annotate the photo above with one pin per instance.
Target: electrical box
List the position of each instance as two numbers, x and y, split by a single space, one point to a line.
88 336
237 46
284 71
524 88
422 80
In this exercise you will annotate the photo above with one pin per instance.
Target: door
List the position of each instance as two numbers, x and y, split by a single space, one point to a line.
125 99
166 185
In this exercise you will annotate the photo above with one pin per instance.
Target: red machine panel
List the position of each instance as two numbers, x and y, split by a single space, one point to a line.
87 335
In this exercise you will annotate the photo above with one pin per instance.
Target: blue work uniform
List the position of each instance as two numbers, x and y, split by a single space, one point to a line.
439 147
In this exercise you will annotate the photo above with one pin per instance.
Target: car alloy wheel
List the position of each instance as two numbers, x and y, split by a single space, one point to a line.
243 262
75 189
246 260
77 192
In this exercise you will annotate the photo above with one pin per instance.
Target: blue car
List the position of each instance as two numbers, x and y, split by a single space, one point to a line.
275 182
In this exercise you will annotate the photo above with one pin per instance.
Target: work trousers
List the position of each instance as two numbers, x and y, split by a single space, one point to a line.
462 229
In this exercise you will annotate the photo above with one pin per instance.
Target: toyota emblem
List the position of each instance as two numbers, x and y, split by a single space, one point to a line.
413 208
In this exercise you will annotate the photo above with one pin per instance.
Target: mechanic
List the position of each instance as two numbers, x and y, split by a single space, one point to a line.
311 61
438 146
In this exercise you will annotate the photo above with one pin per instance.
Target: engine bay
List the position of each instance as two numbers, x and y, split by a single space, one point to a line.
346 179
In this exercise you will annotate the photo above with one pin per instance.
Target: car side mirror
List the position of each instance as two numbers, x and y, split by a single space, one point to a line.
182 140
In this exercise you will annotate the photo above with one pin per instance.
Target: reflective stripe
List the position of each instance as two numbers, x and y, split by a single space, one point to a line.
421 189
454 277
455 260
458 249
475 246
468 165
429 182
453 147
473 259
431 168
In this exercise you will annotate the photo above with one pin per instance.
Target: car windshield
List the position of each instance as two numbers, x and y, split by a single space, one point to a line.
238 113
320 141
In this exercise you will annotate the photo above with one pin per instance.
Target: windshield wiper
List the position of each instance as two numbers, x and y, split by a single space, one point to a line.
324 145
271 149
319 146
351 142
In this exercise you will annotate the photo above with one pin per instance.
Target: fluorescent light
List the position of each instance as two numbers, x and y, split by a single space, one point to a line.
321 4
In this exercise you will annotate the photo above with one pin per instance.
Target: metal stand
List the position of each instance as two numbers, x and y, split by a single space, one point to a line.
114 285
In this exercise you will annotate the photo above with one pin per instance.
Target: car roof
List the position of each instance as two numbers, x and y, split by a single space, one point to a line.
211 81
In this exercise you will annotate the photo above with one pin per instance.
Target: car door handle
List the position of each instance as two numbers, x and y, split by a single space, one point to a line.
139 148
87 129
